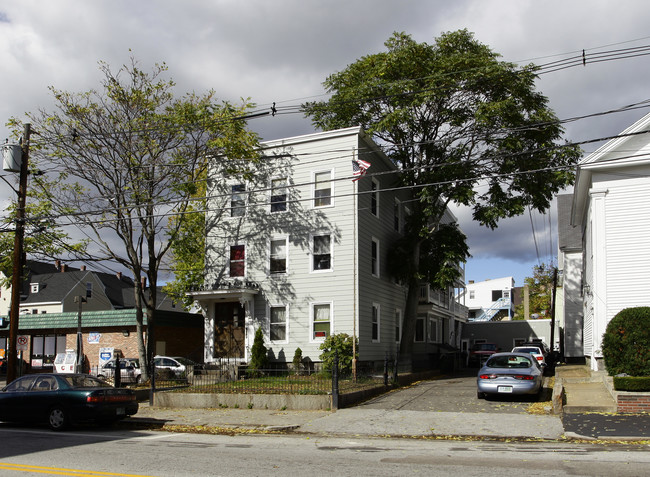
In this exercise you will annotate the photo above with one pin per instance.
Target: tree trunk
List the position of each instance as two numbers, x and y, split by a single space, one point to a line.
410 311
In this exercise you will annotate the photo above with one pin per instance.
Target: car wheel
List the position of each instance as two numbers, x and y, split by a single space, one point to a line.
137 379
480 395
58 419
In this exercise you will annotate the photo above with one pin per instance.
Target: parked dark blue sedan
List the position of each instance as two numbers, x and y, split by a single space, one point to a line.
62 399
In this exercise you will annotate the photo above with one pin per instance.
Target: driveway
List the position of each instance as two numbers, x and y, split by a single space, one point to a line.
450 394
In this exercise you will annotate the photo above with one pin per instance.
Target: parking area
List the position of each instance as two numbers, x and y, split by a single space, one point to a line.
452 394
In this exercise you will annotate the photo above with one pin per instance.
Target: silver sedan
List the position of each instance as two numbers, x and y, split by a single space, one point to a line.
510 373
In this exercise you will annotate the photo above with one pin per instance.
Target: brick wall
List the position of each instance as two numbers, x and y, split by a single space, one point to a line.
187 342
633 402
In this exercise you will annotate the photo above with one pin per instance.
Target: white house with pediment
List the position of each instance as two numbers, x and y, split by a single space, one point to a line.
611 206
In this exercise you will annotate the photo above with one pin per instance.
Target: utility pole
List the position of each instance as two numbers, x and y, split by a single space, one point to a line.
16 278
80 348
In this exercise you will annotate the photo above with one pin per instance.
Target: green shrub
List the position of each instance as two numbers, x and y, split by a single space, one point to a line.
297 360
341 343
626 342
259 354
632 383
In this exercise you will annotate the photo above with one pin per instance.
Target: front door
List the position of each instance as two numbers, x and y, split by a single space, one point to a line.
229 333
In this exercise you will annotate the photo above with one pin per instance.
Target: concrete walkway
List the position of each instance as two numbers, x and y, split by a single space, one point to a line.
585 390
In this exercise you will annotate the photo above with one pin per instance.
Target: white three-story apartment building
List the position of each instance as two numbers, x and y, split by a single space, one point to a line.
299 249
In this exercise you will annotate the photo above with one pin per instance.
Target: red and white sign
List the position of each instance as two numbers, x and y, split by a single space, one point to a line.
21 342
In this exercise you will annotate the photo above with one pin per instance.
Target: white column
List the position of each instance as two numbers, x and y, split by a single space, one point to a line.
599 285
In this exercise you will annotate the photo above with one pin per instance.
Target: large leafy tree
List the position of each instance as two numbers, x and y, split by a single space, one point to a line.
540 292
121 160
464 127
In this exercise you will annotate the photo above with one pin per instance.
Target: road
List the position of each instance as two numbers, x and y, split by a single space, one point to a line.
32 451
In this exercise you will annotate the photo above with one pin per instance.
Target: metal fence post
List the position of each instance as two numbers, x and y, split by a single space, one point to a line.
386 369
395 377
335 381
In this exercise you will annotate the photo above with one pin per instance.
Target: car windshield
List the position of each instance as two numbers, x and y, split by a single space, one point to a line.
528 350
509 361
83 381
485 347
185 361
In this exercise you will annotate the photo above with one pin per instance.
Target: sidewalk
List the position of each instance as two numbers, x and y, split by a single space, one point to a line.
360 422
588 414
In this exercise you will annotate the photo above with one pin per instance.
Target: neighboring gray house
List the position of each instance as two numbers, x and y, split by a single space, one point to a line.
569 293
611 208
300 251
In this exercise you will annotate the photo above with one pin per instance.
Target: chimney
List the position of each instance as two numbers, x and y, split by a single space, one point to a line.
119 275
57 264
143 282
64 268
83 268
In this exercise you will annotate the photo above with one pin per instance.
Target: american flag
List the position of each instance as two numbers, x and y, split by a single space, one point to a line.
359 168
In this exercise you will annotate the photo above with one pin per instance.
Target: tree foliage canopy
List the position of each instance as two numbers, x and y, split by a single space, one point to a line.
540 292
453 116
122 160
463 127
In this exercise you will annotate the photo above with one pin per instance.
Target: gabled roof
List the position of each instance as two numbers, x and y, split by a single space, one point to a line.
629 149
55 287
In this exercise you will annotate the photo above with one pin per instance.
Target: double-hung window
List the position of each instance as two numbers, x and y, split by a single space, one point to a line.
323 189
374 198
433 330
321 252
278 256
237 260
374 257
278 323
238 200
375 323
279 195
321 321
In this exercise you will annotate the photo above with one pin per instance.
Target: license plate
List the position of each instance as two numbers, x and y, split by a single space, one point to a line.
504 389
120 411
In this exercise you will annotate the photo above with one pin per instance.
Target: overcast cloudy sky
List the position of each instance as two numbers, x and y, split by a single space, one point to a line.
281 51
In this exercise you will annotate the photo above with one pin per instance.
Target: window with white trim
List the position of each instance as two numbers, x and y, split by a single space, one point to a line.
374 198
376 323
238 200
278 323
434 330
321 259
279 195
419 330
321 321
374 258
278 262
237 261
323 189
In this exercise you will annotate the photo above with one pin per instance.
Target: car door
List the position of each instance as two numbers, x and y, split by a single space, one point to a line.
14 400
42 395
